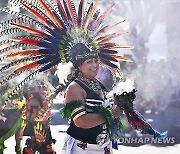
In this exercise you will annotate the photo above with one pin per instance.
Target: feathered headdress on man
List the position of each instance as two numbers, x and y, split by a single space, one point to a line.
51 32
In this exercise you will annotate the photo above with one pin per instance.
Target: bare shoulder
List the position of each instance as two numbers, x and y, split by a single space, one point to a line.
74 92
73 87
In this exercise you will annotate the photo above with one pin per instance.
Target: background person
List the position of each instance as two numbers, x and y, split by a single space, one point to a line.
35 116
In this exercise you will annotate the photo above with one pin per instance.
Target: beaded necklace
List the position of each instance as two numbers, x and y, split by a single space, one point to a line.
90 83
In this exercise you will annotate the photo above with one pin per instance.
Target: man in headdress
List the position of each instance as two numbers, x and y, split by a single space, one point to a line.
35 116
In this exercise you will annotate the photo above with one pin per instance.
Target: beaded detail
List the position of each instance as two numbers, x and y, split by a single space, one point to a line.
107 150
90 83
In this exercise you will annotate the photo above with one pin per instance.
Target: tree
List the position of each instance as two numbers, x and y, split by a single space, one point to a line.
142 17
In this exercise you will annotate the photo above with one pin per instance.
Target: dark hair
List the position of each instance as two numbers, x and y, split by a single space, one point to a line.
72 76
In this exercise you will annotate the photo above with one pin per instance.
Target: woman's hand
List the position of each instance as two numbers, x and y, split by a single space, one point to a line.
117 112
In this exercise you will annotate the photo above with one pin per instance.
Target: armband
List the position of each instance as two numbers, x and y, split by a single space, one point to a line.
76 113
73 109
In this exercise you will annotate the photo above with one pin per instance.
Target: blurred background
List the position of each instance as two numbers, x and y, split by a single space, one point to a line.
153 31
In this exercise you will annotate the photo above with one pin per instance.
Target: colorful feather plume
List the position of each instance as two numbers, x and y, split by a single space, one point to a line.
43 35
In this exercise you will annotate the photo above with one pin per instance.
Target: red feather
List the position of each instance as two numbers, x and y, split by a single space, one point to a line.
30 30
28 66
64 16
113 26
25 53
121 58
39 16
51 15
26 41
110 38
69 4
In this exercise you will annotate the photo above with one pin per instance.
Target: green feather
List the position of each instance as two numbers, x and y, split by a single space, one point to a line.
11 132
109 118
66 111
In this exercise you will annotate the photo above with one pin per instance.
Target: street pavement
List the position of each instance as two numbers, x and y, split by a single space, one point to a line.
59 126
59 136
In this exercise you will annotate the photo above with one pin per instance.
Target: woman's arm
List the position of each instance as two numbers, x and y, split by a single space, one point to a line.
75 92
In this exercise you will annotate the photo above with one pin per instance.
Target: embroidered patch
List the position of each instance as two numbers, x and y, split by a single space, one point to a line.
107 150
82 145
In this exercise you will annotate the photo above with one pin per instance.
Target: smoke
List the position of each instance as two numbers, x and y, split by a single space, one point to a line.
153 31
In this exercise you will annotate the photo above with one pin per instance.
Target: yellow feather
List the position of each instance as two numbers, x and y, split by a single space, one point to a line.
119 47
90 15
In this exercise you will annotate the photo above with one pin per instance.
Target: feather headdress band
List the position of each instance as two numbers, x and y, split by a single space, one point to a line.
49 31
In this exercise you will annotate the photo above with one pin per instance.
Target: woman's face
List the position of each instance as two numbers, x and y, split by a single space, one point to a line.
89 67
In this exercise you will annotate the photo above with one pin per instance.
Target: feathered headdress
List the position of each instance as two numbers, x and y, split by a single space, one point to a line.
51 32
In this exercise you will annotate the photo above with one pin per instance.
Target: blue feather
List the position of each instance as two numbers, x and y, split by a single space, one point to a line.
106 62
67 12
51 64
48 45
106 45
102 30
89 10
79 13
52 39
55 27
107 57
47 59
62 12
93 19
108 51
59 19
49 51
53 33
160 135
